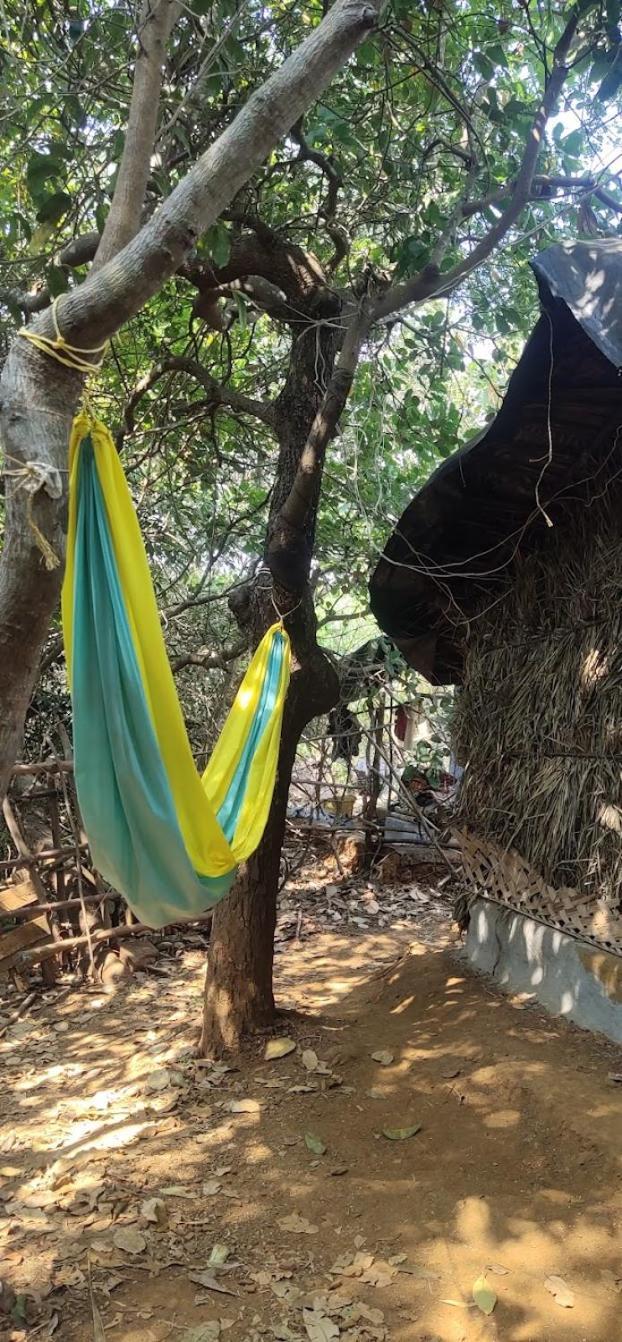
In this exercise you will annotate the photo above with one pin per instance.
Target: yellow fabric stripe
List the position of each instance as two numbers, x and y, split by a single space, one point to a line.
196 800
224 758
261 777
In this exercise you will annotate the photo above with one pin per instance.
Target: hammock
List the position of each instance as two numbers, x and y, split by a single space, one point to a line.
167 838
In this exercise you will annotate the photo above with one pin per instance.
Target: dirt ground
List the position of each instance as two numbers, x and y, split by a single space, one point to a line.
291 1199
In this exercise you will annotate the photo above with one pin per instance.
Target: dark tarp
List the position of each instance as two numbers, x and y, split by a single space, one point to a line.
554 441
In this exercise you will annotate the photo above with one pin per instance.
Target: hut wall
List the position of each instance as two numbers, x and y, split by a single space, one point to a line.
540 716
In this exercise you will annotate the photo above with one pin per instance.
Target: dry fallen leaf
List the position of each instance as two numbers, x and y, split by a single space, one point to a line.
383 1057
319 1327
202 1332
484 1296
309 1059
219 1255
155 1211
314 1144
130 1241
348 1266
400 1134
498 1269
209 1282
298 1225
244 1107
158 1080
279 1048
560 1291
379 1273
211 1187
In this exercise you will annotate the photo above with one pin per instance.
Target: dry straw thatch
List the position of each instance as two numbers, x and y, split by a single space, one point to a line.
540 717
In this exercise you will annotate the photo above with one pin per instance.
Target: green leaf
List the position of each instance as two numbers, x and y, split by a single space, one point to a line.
57 281
484 1296
482 64
218 243
242 311
572 144
53 207
41 167
401 1134
315 1144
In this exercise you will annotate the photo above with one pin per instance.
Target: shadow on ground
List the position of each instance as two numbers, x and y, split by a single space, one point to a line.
515 1172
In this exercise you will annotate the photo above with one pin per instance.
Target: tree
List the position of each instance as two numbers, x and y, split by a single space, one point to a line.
353 257
458 230
38 397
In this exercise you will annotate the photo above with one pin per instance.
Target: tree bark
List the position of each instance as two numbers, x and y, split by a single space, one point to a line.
239 996
156 21
238 990
38 397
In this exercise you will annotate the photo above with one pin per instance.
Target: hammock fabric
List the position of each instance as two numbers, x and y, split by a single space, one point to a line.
167 838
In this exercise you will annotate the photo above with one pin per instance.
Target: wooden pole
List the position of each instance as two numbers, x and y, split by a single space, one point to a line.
41 953
43 767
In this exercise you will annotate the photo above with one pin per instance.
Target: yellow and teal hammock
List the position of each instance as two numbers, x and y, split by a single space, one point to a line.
167 838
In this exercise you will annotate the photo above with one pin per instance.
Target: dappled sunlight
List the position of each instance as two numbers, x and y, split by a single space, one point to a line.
513 1173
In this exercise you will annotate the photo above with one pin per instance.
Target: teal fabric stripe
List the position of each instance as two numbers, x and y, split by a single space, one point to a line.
124 794
229 812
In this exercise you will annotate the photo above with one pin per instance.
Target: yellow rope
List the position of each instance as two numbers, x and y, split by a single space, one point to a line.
58 348
35 475
32 477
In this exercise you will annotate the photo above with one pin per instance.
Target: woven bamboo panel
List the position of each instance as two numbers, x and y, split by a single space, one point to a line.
504 877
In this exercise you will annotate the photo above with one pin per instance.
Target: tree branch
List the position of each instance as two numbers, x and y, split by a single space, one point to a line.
287 530
541 186
210 658
429 283
157 18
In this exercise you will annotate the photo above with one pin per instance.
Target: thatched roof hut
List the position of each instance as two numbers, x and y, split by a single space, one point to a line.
504 576
549 447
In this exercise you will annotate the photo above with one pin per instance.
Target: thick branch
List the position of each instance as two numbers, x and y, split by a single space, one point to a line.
288 529
217 393
156 21
211 658
76 253
333 176
93 312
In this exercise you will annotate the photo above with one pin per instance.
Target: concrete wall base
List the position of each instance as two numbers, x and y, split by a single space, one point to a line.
570 978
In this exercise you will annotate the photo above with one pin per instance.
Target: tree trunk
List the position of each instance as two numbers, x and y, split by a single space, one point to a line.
239 996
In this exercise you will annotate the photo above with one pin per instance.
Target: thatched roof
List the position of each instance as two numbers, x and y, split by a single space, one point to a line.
554 442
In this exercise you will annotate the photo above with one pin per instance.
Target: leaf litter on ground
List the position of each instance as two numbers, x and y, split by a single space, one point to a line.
561 1291
298 1225
401 1134
279 1048
484 1296
314 1144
